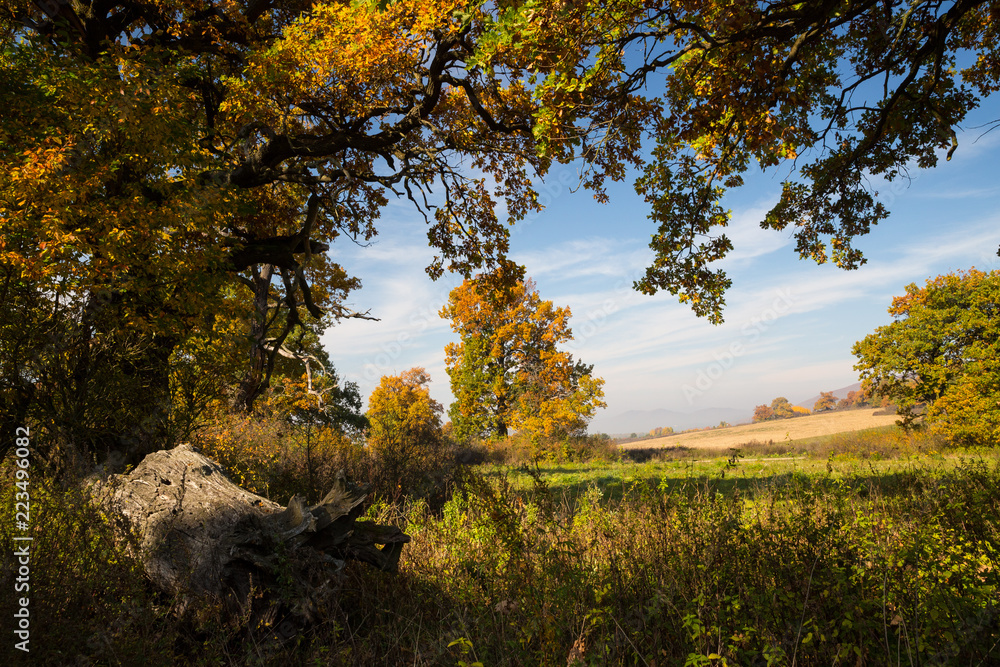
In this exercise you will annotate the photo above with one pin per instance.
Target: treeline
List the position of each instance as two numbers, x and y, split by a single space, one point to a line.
780 408
664 431
855 399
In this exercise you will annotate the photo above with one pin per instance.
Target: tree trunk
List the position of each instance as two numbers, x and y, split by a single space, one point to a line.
201 536
255 379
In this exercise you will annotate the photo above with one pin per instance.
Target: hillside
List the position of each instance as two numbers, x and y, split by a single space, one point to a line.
839 393
826 423
643 421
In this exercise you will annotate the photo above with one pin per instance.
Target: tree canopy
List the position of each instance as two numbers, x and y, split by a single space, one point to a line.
763 413
942 352
859 88
781 408
404 427
162 158
169 164
276 110
826 401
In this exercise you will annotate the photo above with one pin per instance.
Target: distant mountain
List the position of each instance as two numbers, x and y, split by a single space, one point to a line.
839 393
643 421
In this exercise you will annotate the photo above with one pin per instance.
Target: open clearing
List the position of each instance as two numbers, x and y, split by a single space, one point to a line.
797 428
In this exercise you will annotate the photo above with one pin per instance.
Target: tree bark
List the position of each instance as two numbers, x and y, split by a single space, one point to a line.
256 378
202 536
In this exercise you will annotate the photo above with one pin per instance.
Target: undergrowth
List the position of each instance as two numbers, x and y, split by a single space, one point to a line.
885 568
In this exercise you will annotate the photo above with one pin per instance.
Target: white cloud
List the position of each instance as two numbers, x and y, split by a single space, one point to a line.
595 256
749 240
966 193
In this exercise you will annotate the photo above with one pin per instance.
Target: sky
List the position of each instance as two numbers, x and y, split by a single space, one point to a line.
789 323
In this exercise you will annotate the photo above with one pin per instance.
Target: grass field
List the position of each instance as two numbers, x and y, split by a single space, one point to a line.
872 547
783 430
750 474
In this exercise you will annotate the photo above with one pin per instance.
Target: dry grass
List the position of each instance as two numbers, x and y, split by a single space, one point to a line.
782 430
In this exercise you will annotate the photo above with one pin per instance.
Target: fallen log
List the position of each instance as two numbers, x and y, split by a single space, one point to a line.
201 535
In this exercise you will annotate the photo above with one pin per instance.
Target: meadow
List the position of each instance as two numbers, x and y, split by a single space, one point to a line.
869 548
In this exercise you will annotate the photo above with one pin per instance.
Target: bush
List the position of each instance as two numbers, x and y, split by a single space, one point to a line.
267 456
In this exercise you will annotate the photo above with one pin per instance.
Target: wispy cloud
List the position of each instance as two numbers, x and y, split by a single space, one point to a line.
749 240
966 193
595 256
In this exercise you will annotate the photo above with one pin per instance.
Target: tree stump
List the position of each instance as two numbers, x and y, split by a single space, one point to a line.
202 535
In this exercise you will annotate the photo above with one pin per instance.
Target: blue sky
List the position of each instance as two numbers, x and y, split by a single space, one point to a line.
790 323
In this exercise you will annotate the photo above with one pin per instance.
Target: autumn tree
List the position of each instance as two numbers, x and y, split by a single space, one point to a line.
160 159
827 401
507 371
762 413
404 430
156 154
941 351
854 399
774 85
318 397
781 408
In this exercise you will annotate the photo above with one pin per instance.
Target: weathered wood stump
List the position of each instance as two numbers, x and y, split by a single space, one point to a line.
202 535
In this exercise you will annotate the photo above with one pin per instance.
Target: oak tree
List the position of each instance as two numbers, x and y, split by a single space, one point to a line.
507 371
161 158
942 352
155 154
832 96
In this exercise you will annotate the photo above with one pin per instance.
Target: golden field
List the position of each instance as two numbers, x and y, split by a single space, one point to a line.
782 430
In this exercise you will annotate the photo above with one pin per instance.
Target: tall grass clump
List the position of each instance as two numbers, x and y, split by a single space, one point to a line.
87 596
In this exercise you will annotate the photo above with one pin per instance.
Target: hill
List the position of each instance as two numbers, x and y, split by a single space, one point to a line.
826 423
839 393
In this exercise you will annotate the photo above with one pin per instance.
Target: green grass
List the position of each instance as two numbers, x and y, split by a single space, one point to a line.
884 552
879 563
878 454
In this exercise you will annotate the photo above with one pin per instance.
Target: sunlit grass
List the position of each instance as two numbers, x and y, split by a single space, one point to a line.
878 452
